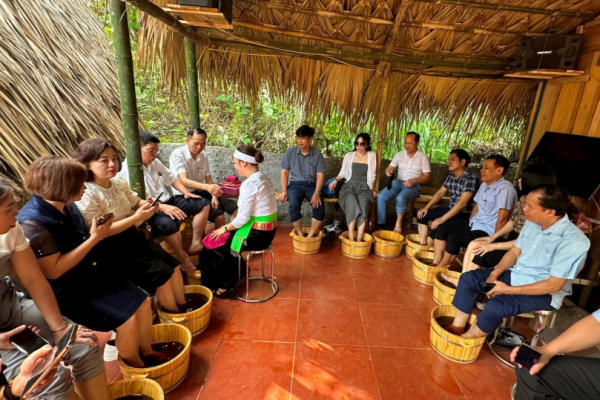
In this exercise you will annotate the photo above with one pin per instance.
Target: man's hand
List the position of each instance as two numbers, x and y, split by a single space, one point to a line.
5 336
173 212
422 212
389 171
437 222
315 200
282 197
215 190
99 232
375 194
214 202
493 278
500 288
190 195
408 183
541 363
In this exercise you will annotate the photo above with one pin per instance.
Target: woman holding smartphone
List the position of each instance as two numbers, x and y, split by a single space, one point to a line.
42 311
79 267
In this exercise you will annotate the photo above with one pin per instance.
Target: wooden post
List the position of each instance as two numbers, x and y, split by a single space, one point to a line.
192 83
129 114
382 123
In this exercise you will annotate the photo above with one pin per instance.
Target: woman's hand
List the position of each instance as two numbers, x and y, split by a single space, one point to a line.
485 239
28 366
5 343
99 232
481 249
375 194
217 233
333 184
144 212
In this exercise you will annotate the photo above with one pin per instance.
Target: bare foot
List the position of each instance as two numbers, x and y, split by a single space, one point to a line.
301 234
134 362
195 249
188 265
454 329
449 279
310 235
398 229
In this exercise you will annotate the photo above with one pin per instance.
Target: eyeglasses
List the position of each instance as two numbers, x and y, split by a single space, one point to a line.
361 144
150 151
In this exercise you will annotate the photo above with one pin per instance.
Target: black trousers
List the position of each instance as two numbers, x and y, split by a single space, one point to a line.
565 378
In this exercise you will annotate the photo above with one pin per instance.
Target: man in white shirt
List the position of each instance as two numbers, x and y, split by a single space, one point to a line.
190 165
413 170
172 209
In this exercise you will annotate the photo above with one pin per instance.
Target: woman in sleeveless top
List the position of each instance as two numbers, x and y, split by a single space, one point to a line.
359 169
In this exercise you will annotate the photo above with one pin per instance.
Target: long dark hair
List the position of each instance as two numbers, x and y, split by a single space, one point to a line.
366 137
534 175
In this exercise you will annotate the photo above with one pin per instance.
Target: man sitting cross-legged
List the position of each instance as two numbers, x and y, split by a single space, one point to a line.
534 275
494 202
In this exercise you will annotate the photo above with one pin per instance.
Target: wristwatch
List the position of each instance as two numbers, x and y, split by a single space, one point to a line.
7 393
225 227
318 192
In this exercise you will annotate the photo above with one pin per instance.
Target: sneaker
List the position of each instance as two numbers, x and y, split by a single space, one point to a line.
337 226
110 351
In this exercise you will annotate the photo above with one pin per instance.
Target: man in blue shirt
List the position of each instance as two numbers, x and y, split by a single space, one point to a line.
534 275
564 377
304 167
494 203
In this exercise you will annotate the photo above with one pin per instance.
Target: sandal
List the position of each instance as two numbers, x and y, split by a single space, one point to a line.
222 293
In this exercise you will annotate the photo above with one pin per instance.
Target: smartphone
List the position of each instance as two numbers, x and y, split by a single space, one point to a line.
104 218
27 341
156 199
488 286
527 356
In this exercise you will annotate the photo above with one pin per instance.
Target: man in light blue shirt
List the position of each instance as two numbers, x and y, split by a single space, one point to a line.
494 203
534 275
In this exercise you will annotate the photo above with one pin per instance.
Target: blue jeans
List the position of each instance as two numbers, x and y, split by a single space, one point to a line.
402 194
297 192
502 306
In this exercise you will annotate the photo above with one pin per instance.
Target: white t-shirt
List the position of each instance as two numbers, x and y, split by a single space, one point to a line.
10 243
156 178
197 169
410 167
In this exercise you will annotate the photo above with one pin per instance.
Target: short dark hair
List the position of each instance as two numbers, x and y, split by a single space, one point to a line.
196 131
90 150
367 138
147 137
462 155
305 131
500 162
534 175
55 179
552 197
417 136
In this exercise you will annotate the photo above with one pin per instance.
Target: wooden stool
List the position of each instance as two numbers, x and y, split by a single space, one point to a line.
274 287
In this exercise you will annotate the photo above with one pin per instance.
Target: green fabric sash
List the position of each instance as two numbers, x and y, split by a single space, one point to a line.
242 233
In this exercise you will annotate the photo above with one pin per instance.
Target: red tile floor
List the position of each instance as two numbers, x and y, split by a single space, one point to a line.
339 329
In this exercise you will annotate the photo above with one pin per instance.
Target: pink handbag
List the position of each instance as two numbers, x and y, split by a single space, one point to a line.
231 178
210 243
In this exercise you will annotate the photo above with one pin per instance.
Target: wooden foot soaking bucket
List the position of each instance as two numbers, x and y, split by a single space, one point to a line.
136 385
449 345
422 271
388 244
412 245
193 278
170 374
356 250
304 245
197 320
442 293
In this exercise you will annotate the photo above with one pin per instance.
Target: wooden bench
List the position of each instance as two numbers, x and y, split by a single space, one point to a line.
421 201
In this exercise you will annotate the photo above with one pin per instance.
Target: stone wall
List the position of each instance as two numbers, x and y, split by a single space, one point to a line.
221 165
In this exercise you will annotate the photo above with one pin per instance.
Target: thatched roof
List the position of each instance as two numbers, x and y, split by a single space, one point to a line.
58 85
425 58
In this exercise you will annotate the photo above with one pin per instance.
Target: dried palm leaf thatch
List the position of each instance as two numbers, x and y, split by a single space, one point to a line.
58 85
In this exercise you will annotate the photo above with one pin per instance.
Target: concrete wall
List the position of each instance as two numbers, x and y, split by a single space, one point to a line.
221 165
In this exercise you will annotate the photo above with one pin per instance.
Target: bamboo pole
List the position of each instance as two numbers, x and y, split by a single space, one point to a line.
129 114
502 6
192 83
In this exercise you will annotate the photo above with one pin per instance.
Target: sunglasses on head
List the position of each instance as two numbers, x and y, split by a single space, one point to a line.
357 143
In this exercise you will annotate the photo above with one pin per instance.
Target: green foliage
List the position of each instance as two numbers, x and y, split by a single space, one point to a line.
230 120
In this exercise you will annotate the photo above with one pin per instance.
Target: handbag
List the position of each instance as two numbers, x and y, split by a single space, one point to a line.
211 243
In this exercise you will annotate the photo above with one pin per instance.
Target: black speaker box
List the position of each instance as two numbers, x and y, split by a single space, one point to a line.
550 52
224 6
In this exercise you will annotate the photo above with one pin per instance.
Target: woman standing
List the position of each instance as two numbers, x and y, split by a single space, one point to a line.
359 169
253 228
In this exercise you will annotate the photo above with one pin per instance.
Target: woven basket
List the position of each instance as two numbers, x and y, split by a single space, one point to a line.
422 272
196 321
443 294
356 250
136 385
170 374
388 244
449 345
412 245
305 245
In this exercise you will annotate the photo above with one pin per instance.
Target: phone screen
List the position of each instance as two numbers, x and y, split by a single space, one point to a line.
27 341
104 218
527 356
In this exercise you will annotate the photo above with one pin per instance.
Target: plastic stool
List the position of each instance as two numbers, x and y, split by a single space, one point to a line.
247 280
